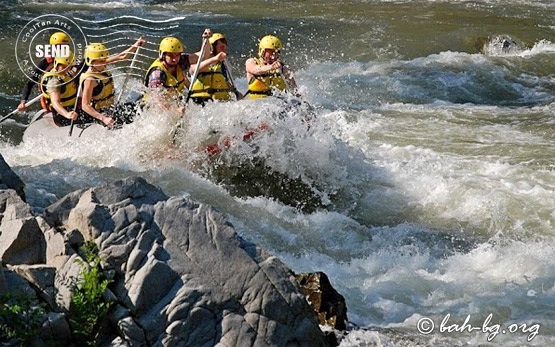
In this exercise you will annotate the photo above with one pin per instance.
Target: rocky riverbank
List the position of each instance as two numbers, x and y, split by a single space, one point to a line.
176 273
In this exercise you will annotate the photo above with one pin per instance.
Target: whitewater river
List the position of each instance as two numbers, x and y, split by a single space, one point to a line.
418 173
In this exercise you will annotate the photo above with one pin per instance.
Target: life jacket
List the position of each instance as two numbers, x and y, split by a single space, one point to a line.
261 86
172 82
212 84
68 90
103 93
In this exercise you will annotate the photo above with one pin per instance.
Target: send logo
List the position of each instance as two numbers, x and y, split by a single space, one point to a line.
53 51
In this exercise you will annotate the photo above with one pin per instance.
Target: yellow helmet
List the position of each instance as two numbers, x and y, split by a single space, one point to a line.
95 51
171 45
67 61
215 37
59 38
269 42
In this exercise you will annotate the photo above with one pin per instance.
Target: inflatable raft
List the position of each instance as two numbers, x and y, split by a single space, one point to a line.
43 125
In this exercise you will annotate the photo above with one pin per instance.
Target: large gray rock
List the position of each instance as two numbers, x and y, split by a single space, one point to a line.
182 275
21 234
10 180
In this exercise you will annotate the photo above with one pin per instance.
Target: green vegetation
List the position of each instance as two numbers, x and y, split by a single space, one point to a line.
20 318
88 304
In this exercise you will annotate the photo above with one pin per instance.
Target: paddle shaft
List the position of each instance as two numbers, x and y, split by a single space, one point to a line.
75 107
27 104
127 75
190 90
195 74
230 77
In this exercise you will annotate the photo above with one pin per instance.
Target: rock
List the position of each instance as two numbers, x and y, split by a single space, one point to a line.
60 210
9 180
12 206
22 242
182 272
132 331
41 277
56 328
16 285
58 248
181 275
500 45
328 305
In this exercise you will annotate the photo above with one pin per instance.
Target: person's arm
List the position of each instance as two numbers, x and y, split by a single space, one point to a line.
205 64
250 68
41 68
86 105
55 100
53 89
125 54
254 69
290 80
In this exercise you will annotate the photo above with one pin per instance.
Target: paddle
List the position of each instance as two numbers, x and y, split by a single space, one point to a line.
27 104
230 77
127 75
190 90
75 107
195 74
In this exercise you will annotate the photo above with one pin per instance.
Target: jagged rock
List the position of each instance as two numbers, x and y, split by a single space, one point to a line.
21 234
326 302
60 210
12 206
41 277
181 276
58 248
182 273
132 331
9 180
16 285
66 279
22 242
56 328
499 45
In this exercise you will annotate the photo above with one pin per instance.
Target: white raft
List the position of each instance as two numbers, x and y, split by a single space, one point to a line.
43 125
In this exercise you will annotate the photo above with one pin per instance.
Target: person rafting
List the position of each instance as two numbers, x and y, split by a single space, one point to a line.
44 65
267 72
97 84
166 72
59 90
214 81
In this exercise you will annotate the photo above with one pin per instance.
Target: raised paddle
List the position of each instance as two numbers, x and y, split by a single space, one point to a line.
238 95
128 73
27 104
195 74
75 107
173 131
